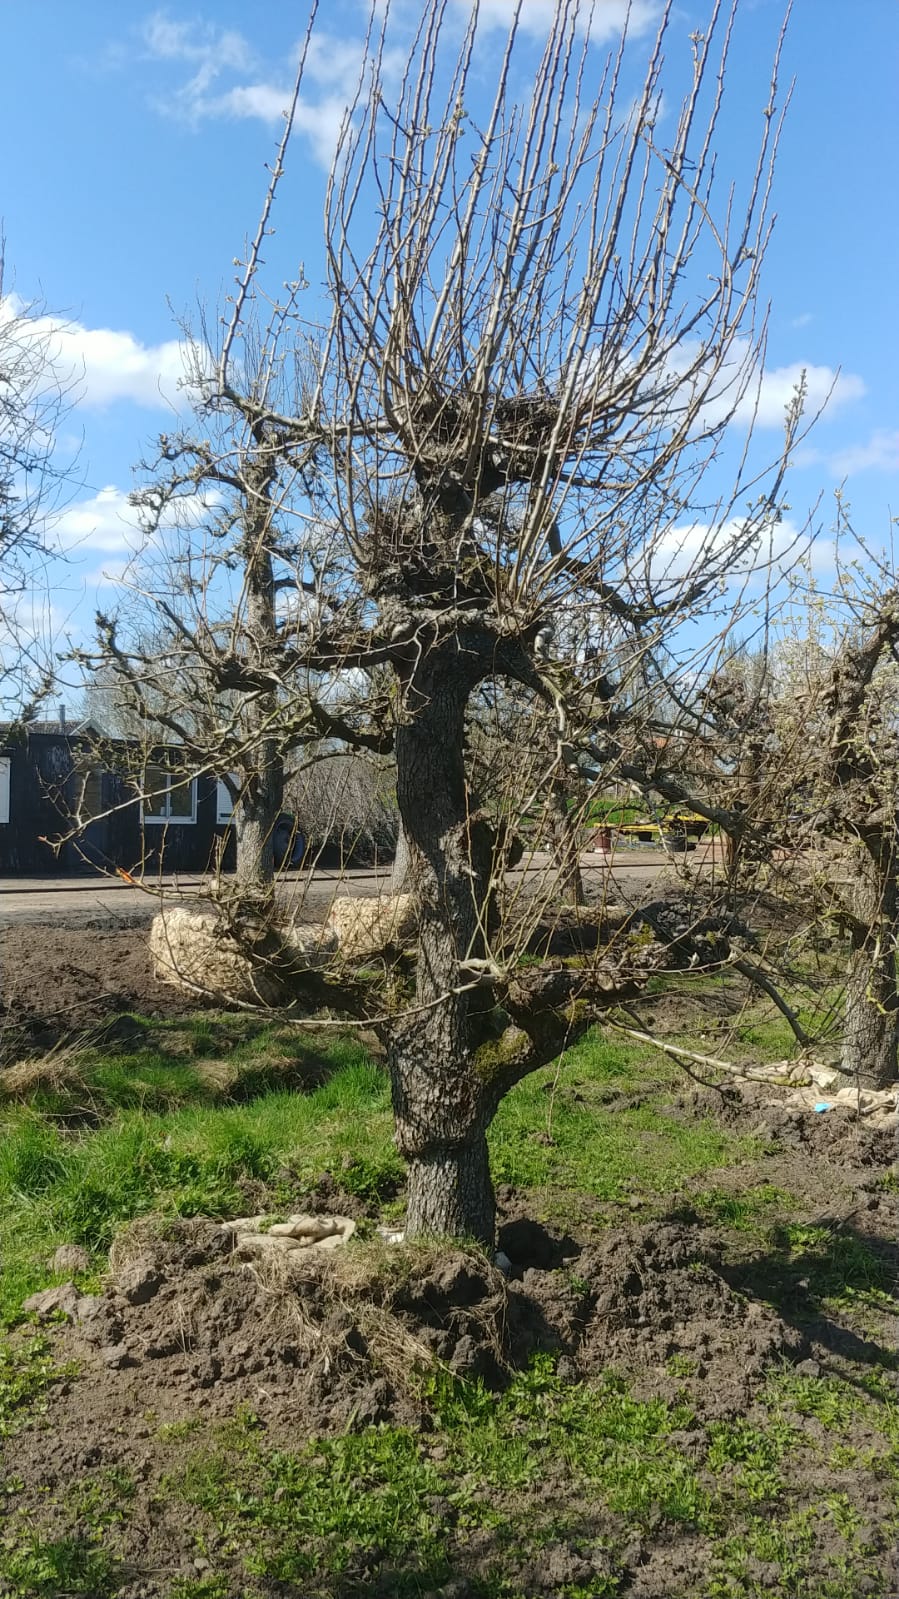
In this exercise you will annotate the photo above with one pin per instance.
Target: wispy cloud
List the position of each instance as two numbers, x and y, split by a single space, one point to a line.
696 547
227 80
109 523
880 454
827 390
607 20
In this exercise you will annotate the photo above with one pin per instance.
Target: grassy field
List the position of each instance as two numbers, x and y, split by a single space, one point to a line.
217 1114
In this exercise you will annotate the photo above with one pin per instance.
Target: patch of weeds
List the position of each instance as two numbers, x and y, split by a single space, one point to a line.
82 1185
26 1373
831 1400
101 1501
836 1265
32 1567
745 1211
750 1458
201 1588
608 1439
340 1503
681 1365
171 1431
798 1557
377 1178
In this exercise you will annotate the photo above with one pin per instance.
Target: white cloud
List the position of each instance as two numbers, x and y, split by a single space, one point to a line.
331 75
107 575
758 398
880 454
103 366
608 20
826 388
108 522
802 320
210 50
697 548
105 522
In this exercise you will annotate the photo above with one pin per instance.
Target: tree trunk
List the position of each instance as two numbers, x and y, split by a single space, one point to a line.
871 1025
262 795
440 1102
451 1194
566 847
399 877
255 819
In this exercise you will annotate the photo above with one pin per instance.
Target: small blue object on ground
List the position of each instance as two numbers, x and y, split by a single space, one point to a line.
823 1104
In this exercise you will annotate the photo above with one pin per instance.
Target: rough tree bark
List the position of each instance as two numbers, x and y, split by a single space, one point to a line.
566 847
399 876
439 1099
261 795
255 818
871 1022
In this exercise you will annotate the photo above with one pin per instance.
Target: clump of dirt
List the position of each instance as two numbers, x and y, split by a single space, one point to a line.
838 1135
648 1301
309 1345
315 1343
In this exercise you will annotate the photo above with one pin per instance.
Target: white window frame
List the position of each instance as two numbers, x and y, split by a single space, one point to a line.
225 806
167 818
5 765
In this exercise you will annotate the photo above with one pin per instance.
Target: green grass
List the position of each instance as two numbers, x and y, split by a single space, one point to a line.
34 1567
215 1114
747 1211
389 1509
555 1131
166 1133
62 1183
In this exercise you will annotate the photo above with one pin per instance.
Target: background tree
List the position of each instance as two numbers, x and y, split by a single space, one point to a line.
837 725
230 559
34 397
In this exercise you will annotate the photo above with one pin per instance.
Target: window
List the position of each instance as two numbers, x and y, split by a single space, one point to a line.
224 804
168 797
4 788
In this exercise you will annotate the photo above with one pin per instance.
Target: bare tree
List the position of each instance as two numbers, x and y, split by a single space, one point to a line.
539 329
34 396
796 751
836 712
230 560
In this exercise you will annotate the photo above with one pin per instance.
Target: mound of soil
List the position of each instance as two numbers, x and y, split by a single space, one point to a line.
184 1326
750 1108
310 1346
648 1302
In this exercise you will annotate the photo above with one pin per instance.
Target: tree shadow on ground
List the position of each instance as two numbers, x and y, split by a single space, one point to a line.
821 1276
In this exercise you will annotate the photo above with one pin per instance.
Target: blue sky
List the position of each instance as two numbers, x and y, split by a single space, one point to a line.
133 143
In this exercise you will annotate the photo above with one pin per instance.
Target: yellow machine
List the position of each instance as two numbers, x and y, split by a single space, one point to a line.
677 828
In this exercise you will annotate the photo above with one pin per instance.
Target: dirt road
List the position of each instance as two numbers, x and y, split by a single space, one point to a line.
112 902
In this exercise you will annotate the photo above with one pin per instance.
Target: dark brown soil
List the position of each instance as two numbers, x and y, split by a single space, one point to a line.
59 981
187 1333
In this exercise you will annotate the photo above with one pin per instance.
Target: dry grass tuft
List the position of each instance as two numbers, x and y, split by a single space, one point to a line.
330 1299
136 1239
56 1073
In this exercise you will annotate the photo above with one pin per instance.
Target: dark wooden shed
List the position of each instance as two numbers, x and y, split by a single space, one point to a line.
74 801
